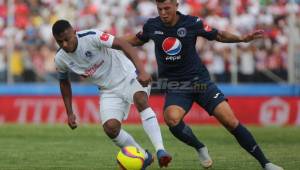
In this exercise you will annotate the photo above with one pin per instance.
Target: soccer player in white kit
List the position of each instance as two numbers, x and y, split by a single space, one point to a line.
95 56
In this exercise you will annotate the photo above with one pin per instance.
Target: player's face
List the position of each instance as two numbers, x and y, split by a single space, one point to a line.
67 40
167 11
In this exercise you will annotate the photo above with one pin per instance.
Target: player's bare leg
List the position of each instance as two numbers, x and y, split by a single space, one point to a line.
120 137
151 127
173 116
226 117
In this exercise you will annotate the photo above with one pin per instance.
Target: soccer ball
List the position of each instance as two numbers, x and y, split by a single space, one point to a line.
130 158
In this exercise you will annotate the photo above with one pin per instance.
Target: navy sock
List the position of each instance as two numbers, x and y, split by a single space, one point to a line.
246 140
185 134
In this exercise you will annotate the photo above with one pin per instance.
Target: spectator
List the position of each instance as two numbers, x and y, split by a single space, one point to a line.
33 20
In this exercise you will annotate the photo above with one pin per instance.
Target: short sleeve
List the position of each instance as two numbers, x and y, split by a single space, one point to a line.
62 70
102 39
144 34
205 30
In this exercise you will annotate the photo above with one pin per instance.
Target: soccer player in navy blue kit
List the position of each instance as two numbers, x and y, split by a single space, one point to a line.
174 35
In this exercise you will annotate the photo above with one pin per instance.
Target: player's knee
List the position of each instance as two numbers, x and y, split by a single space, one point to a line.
173 116
231 125
171 121
112 128
141 101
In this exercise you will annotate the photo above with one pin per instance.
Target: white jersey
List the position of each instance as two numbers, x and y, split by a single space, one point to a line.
96 60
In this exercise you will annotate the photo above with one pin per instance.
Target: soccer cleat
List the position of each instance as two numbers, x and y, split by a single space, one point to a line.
271 166
163 158
205 160
148 161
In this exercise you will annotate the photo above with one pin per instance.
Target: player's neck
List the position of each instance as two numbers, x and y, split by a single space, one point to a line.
76 46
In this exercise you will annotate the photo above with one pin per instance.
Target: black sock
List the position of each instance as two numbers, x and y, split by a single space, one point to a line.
185 134
246 140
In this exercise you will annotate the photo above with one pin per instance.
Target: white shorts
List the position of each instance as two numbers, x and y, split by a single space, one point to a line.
115 103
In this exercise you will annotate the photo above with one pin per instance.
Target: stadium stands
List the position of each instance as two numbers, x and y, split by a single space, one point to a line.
32 58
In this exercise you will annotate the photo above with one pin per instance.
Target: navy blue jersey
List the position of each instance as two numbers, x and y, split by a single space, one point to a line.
175 50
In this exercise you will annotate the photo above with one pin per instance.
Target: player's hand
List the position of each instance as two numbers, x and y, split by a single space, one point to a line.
144 79
257 34
72 121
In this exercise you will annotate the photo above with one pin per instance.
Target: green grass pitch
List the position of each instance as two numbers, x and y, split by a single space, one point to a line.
41 147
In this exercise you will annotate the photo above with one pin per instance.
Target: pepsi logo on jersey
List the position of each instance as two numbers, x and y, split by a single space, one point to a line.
172 46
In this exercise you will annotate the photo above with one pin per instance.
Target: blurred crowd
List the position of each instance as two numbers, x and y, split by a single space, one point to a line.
28 32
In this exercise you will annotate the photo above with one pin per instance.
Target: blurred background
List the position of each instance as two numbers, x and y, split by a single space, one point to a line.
27 48
267 70
261 80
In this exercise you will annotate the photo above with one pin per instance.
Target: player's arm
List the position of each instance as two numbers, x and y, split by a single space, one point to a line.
133 40
120 44
210 33
140 38
227 37
66 92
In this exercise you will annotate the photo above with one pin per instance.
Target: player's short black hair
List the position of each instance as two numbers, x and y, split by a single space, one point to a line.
174 1
60 26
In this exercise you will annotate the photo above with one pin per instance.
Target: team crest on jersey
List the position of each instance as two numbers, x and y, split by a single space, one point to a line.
88 54
171 46
181 32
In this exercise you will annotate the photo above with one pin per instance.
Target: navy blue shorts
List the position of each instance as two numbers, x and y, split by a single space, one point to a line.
208 96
